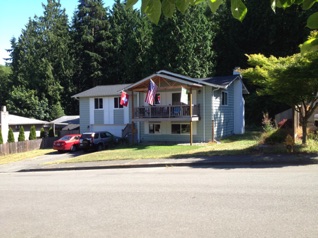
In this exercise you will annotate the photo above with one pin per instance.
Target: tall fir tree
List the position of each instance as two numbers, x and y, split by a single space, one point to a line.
91 40
42 59
131 37
184 43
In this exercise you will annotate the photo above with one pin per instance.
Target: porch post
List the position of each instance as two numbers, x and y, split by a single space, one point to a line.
191 136
132 117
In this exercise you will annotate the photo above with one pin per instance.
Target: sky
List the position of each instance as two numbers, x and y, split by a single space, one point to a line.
15 14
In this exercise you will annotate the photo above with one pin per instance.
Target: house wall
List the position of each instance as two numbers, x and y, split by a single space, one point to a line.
223 115
85 108
239 108
106 119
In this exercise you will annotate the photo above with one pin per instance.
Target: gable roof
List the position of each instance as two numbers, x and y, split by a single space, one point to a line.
65 120
217 82
102 90
18 120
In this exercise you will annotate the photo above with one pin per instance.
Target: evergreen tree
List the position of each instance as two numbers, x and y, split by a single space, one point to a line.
10 136
5 82
1 138
183 43
131 37
21 134
42 133
91 40
42 59
32 135
51 132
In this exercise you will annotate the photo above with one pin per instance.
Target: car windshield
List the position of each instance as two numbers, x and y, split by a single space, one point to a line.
66 138
85 136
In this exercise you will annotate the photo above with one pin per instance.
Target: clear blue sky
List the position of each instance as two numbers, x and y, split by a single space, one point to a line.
14 15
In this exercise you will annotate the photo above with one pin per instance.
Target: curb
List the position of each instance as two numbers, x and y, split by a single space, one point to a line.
173 164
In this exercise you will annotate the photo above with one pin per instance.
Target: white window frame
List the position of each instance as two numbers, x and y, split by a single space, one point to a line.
156 128
224 98
98 103
118 103
180 127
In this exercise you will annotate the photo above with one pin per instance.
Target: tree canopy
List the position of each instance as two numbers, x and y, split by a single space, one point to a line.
291 80
155 8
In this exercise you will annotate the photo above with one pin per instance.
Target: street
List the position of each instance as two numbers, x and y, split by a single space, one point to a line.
161 202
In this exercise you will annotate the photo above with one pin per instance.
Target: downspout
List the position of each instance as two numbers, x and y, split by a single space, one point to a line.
203 112
212 121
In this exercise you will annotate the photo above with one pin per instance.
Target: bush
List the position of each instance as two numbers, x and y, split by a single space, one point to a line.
42 133
10 136
32 135
1 139
267 123
51 133
21 134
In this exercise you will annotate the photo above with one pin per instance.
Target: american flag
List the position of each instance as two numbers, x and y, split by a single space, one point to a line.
151 93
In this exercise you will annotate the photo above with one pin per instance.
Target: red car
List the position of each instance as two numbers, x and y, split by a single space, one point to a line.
67 143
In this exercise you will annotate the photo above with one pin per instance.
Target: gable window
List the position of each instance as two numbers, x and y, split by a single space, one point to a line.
154 128
117 103
180 128
98 103
224 98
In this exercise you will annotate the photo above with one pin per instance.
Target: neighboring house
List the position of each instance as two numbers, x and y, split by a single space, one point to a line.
15 122
66 125
217 108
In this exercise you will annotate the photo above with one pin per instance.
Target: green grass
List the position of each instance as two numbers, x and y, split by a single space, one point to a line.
22 156
229 146
249 143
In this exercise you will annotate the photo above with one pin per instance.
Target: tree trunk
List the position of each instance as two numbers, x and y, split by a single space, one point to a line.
304 130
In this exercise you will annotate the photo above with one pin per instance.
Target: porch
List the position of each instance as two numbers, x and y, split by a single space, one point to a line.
167 112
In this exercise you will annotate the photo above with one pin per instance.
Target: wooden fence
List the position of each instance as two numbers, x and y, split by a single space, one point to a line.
24 146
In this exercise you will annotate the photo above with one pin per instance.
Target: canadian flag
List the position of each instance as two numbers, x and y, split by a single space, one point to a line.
124 99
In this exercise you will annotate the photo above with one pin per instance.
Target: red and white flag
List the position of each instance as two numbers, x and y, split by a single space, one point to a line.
151 93
124 99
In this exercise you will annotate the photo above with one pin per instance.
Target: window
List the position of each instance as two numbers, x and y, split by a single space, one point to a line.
117 103
157 98
180 128
224 98
154 128
98 103
176 98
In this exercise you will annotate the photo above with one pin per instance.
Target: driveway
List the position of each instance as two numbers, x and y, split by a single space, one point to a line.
36 162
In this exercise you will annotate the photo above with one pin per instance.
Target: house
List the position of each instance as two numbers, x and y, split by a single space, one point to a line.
211 108
15 122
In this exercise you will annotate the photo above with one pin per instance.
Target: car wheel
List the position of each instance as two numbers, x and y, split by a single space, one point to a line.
60 151
100 147
73 148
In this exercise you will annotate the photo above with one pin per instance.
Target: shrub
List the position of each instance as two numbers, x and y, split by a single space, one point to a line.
1 139
42 133
10 136
32 135
21 134
267 123
51 133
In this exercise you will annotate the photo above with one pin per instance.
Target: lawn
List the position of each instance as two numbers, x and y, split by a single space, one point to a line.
22 156
233 145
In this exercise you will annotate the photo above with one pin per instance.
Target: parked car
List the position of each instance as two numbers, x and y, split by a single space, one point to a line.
67 143
98 140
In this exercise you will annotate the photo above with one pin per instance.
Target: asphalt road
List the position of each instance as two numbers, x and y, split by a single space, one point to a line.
161 202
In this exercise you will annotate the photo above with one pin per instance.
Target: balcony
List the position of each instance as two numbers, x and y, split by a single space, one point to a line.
167 113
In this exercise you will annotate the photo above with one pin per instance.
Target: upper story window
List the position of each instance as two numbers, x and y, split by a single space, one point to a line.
224 98
117 103
98 103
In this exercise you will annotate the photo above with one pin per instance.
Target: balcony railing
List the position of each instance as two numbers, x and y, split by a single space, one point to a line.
170 111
